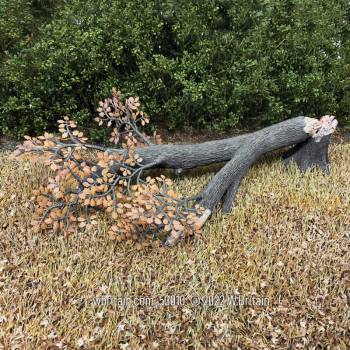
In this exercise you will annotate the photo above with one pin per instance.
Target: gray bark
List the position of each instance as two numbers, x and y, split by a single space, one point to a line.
227 180
189 156
310 154
310 135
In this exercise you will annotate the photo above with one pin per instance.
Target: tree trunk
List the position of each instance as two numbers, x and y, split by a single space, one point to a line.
311 137
189 156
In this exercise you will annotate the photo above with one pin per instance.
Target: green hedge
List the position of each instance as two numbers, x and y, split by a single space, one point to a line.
208 63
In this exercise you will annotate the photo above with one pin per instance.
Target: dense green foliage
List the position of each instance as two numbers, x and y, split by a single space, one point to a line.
20 19
19 28
209 63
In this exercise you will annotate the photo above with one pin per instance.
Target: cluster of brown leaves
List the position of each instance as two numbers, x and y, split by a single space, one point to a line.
88 178
124 118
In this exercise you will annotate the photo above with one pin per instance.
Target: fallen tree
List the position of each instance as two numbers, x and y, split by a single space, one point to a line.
115 181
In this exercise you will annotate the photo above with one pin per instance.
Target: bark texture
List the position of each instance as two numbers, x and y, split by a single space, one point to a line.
189 156
310 154
311 137
227 180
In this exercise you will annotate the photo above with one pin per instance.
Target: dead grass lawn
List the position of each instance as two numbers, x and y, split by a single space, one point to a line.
286 242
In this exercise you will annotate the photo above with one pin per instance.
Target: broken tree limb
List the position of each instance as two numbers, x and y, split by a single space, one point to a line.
114 179
243 151
117 172
313 135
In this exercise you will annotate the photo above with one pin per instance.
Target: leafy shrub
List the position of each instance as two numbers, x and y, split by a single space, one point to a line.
19 27
213 63
19 19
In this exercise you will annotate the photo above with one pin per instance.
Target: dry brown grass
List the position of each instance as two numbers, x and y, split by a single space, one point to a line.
287 240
